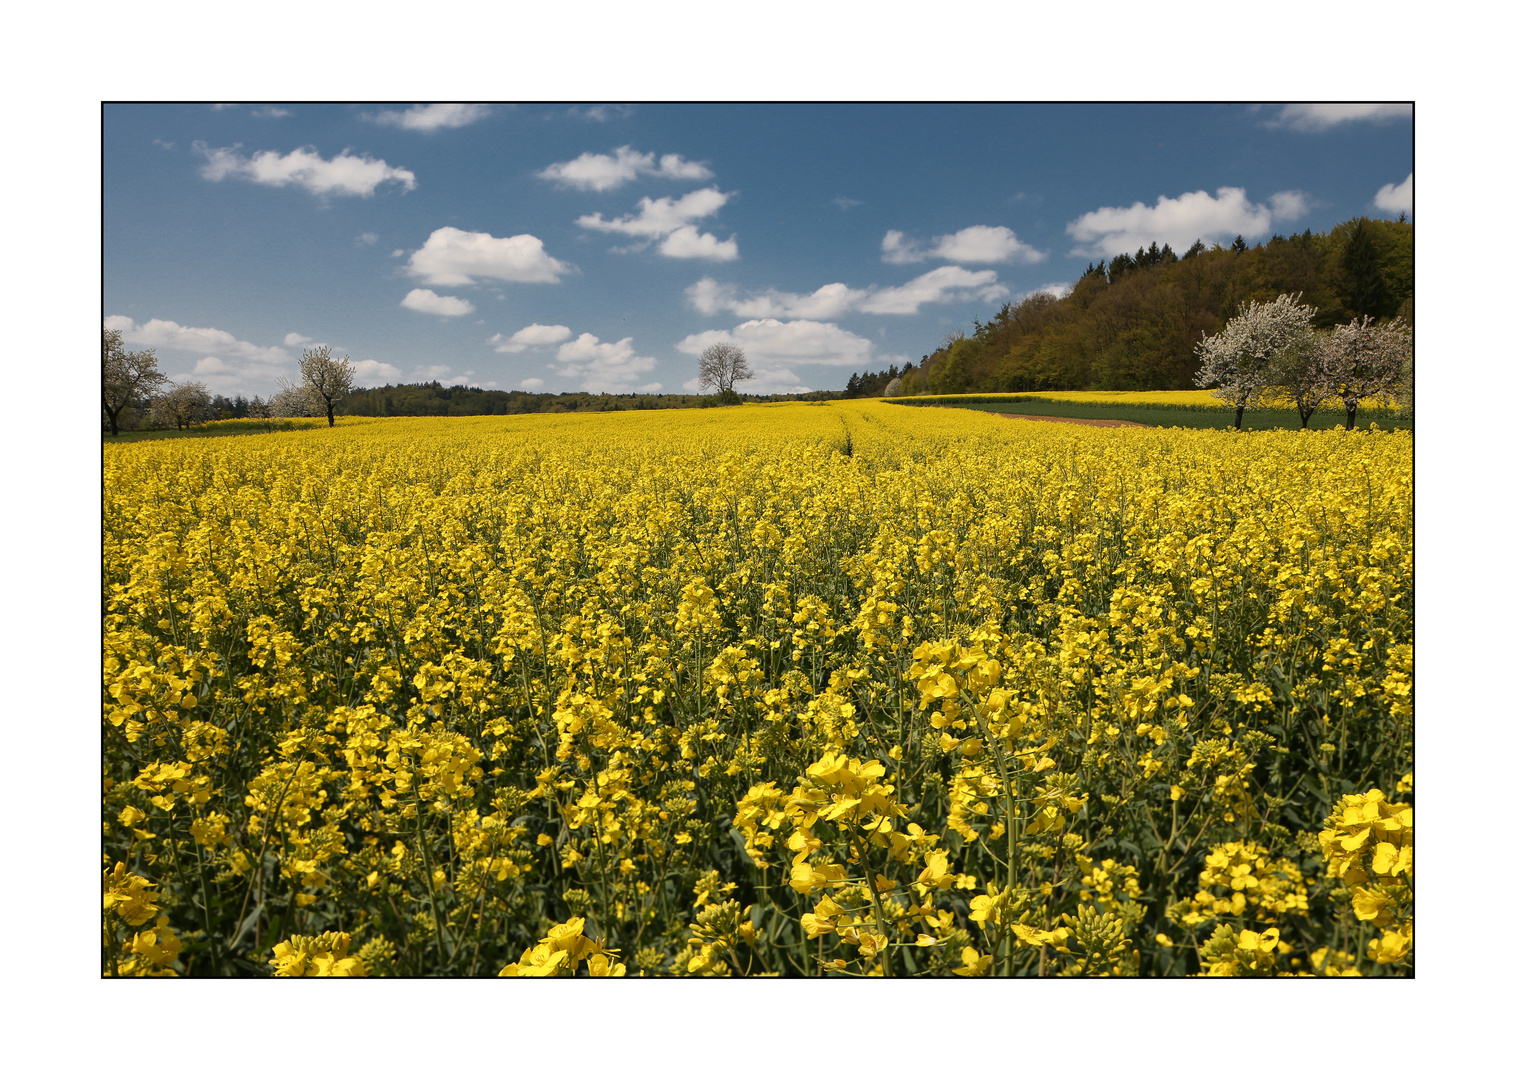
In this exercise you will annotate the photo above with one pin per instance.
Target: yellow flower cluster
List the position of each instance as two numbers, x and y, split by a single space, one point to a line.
837 689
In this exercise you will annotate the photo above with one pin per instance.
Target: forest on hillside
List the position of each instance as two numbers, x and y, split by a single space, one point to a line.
1133 324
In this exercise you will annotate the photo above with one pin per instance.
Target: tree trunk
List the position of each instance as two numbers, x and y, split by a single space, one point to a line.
1352 412
112 415
330 420
1239 417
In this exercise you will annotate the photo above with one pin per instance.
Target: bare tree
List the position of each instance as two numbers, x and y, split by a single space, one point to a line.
1240 360
186 404
326 377
1362 360
125 377
722 365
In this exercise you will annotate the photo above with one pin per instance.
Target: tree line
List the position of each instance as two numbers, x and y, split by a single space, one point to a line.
137 395
1134 323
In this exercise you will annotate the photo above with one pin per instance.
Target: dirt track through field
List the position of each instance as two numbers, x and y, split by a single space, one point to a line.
1071 420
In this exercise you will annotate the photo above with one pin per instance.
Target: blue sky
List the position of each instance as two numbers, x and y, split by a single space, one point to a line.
602 247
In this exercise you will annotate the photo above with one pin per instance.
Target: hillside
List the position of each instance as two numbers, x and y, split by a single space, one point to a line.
1134 324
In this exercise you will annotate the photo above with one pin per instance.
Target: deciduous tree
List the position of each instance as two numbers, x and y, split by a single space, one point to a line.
186 404
723 365
1361 360
125 377
1241 361
326 377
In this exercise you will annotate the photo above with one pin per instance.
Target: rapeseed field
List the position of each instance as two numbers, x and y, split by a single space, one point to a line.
842 689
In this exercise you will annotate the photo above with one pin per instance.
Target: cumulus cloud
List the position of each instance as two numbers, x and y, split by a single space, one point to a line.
345 174
605 172
1056 289
602 366
366 239
1322 117
211 365
601 113
453 257
1179 222
370 372
431 117
271 112
774 348
977 243
943 285
688 242
294 340
440 373
531 384
1395 196
529 336
167 334
671 219
846 203
429 302
1288 205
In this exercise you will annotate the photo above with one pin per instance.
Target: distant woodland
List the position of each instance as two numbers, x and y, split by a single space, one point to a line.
1133 324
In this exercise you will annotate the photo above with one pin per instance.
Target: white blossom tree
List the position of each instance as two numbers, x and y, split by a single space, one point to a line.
1361 360
326 377
294 399
1297 379
723 365
1241 361
185 404
125 377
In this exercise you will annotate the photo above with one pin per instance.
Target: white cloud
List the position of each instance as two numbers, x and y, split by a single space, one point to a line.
432 117
211 365
1056 289
897 249
271 112
527 336
1395 196
1176 222
772 346
602 366
977 243
846 203
167 334
366 238
1322 117
345 174
397 253
440 373
1289 205
293 339
659 217
946 284
602 113
531 384
370 372
604 172
650 388
672 218
688 242
453 257
709 296
429 302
